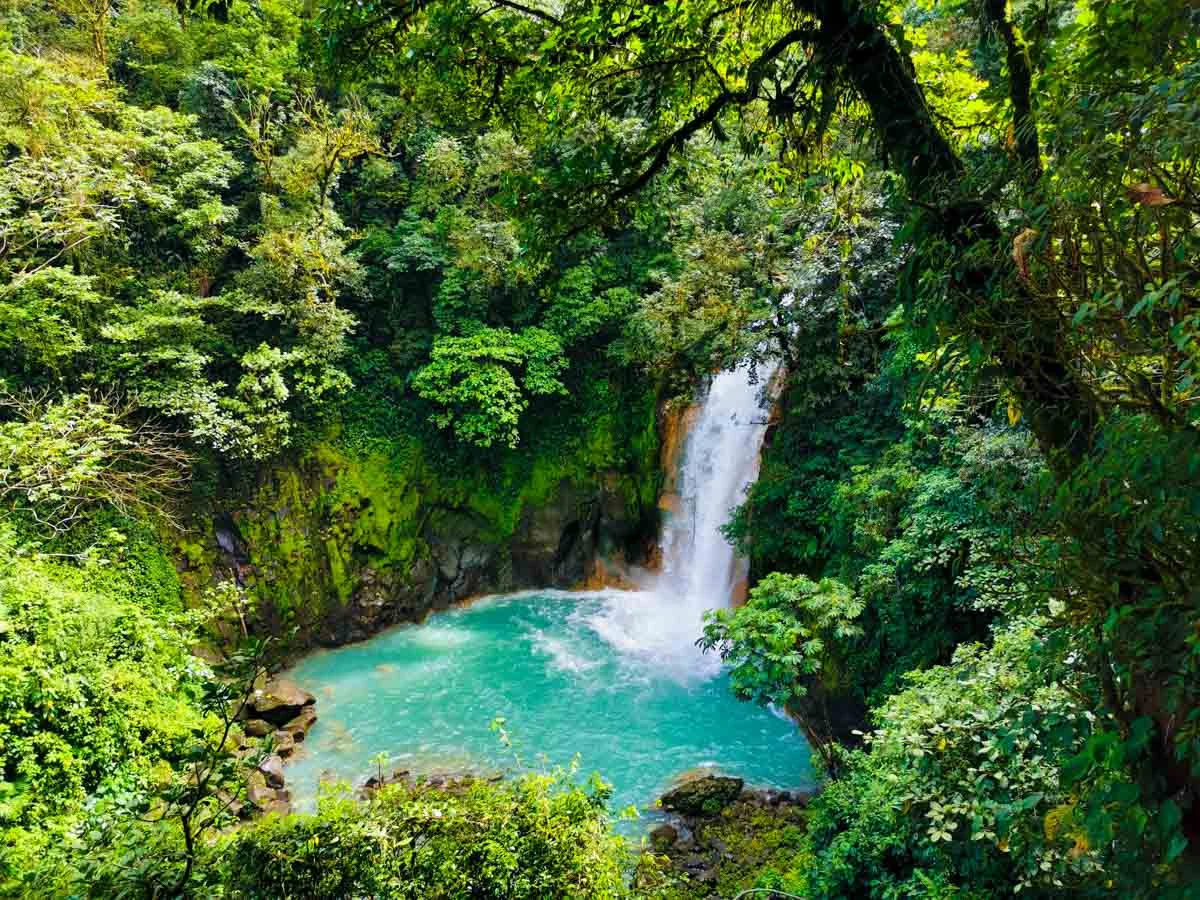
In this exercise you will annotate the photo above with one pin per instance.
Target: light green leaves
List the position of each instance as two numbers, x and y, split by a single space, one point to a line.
791 628
482 383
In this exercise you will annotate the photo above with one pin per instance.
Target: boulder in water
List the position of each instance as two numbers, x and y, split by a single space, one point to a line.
279 702
299 726
705 796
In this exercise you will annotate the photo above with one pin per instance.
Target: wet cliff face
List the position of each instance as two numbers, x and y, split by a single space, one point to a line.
336 545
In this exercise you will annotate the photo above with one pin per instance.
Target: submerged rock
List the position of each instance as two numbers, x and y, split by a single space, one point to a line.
705 796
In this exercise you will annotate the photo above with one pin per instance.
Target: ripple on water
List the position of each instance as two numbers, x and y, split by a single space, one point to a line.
565 655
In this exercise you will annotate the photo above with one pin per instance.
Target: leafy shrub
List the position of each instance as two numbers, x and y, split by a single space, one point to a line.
61 459
538 837
94 692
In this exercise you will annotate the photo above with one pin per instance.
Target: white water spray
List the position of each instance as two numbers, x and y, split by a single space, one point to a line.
700 570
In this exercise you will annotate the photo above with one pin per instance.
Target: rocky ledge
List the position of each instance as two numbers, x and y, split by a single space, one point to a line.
443 781
717 836
277 717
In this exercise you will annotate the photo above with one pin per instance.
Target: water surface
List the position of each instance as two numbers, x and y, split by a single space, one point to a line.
598 675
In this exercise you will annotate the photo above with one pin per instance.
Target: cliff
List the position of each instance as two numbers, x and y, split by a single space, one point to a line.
352 536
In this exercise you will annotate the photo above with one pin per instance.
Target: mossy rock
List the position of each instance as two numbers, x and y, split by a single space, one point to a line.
705 796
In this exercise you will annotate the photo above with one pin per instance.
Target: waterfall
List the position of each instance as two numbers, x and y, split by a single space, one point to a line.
720 461
700 570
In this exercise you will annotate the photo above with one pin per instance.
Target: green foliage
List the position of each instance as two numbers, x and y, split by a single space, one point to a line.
791 628
118 223
960 784
61 460
483 381
473 232
97 690
540 836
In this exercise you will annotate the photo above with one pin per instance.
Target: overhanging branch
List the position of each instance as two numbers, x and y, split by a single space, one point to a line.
659 154
530 11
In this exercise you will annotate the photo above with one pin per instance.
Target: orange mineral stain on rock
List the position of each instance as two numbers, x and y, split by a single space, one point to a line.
741 591
608 573
676 421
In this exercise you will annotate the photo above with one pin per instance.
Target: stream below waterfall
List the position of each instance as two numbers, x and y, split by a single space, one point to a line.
613 676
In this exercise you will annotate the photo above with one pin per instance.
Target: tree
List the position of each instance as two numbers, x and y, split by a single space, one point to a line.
96 687
95 17
61 459
960 786
483 382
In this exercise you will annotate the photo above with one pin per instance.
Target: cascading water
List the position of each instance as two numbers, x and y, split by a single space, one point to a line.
720 462
700 570
614 676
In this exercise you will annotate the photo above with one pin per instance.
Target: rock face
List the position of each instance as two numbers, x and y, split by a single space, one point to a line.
704 796
283 744
257 728
337 548
663 837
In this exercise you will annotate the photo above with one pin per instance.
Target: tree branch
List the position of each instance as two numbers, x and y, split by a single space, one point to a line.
1020 89
659 154
530 11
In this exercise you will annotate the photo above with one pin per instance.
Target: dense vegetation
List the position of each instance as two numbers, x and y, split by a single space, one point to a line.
397 258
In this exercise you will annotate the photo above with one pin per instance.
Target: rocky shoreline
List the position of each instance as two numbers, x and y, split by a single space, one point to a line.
277 717
717 836
713 836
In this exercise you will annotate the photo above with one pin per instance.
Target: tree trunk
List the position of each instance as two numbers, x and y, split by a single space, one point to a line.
1020 90
1024 336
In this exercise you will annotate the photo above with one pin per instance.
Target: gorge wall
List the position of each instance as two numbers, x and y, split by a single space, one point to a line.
343 540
